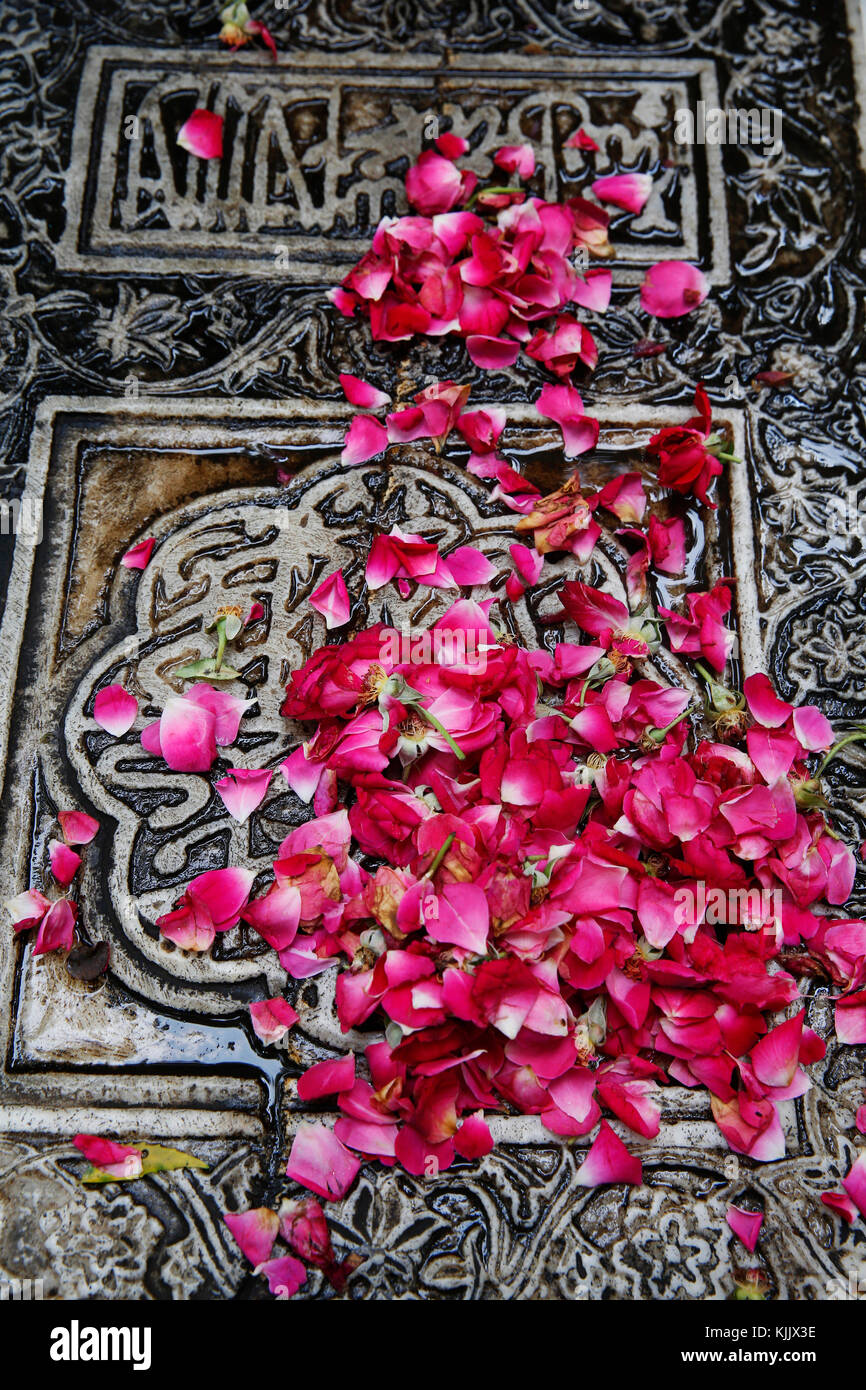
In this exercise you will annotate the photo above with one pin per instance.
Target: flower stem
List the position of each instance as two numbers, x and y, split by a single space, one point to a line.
658 735
857 737
493 188
440 855
440 729
221 644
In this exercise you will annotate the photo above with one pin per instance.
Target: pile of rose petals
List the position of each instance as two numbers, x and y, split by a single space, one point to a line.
553 895
502 269
546 882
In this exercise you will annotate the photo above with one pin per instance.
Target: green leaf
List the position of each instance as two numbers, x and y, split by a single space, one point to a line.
204 667
207 667
155 1158
225 673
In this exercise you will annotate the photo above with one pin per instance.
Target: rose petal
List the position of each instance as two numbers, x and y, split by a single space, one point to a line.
362 394
327 1078
473 1139
746 1225
609 1160
271 1020
841 1205
27 909
628 191
516 159
186 736
65 863
365 439
138 557
78 828
673 288
494 354
255 1232
331 599
57 928
285 1275
202 134
320 1162
469 566
120 1160
855 1184
242 790
115 710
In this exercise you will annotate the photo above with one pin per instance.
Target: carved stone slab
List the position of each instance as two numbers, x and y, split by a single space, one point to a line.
315 153
119 273
162 1048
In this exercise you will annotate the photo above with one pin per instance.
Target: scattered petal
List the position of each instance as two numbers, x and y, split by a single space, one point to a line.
115 710
746 1225
202 134
137 558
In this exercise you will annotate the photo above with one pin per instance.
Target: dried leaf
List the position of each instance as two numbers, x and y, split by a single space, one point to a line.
86 962
155 1158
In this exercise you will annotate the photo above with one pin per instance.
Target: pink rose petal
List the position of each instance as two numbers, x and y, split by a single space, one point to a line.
115 710
580 141
202 134
746 1225
609 1160
628 191
564 405
362 394
320 1162
493 354
851 1018
186 736
138 557
57 928
516 159
226 709
667 544
451 145
593 290
841 1205
673 288
855 1183
331 599
242 790
776 1057
255 1232
78 828
365 439
272 1018
469 566
65 863
527 562
473 1139
285 1275
276 916
120 1160
189 930
812 728
327 1078
27 909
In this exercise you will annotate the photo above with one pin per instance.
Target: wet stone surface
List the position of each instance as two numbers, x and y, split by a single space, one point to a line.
165 350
